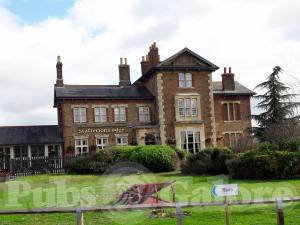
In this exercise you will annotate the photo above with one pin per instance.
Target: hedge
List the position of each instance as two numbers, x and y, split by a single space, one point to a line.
209 161
265 165
156 158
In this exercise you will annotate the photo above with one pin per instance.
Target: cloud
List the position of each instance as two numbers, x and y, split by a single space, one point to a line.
250 36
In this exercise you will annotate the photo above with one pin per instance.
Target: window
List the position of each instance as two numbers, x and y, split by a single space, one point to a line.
231 138
81 146
79 115
187 107
231 111
37 151
122 139
100 115
185 80
54 151
144 114
21 151
120 114
190 141
102 142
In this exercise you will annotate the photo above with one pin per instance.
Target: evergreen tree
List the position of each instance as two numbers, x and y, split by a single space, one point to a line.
277 104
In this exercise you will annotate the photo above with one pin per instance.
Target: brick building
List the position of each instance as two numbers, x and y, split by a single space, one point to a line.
174 101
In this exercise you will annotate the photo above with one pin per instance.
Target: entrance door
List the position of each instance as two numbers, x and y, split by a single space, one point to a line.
149 139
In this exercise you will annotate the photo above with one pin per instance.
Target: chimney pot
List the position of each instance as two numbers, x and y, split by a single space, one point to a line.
229 69
125 61
58 58
228 83
143 58
225 70
121 61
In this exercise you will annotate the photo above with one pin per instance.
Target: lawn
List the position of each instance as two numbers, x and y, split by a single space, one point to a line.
75 190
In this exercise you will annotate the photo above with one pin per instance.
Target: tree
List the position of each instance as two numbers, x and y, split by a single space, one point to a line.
278 105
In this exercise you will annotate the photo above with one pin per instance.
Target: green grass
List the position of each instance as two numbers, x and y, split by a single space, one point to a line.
74 190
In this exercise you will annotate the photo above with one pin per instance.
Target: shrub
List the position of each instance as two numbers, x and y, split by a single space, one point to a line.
266 147
292 145
265 165
157 158
125 151
93 164
209 161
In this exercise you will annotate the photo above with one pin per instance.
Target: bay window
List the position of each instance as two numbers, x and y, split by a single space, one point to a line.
190 141
187 107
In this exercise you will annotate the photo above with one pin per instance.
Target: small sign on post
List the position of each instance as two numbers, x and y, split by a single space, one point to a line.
224 190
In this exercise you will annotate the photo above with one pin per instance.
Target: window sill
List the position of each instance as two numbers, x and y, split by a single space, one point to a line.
186 88
232 121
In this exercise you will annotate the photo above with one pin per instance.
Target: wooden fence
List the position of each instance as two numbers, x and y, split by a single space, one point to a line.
178 206
35 165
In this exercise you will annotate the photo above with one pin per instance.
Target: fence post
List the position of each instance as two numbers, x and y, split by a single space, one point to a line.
79 217
179 214
227 211
280 215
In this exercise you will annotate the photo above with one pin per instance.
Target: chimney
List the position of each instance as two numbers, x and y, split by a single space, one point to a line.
59 75
228 83
151 60
124 73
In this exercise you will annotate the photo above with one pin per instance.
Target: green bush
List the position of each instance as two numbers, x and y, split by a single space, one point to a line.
93 164
265 165
292 145
125 151
266 147
209 161
157 158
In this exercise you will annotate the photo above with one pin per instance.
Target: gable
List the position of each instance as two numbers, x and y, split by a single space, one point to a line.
187 58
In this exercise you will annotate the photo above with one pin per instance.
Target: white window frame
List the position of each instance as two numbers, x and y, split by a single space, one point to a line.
188 107
229 119
123 139
120 114
80 114
144 114
100 114
102 144
195 142
79 146
185 80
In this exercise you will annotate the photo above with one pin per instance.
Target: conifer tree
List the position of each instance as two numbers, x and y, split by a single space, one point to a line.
278 106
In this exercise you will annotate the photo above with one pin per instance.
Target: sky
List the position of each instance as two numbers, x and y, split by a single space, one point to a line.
91 35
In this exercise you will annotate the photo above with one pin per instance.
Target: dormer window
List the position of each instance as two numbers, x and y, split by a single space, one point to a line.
185 80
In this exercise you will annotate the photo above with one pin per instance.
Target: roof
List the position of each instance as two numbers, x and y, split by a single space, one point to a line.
239 89
206 64
19 135
198 63
102 92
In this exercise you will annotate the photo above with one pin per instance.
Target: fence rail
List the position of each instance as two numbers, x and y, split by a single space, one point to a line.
34 165
79 211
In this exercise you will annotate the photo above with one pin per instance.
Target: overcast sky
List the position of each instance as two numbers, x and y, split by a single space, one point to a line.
91 35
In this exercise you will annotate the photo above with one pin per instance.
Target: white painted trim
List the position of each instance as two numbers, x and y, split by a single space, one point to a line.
226 102
12 152
79 106
100 106
46 150
119 105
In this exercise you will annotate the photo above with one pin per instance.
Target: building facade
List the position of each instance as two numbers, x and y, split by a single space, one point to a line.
173 102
